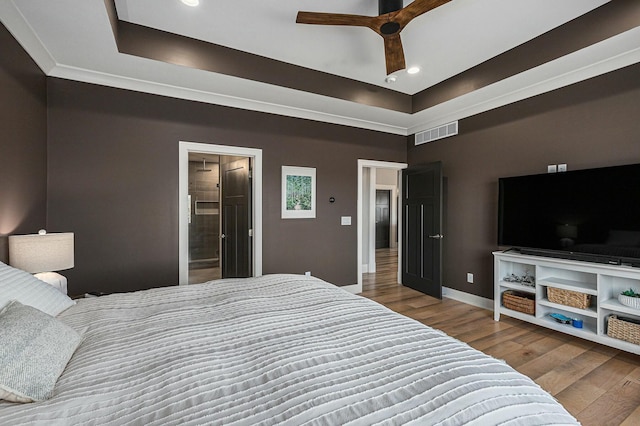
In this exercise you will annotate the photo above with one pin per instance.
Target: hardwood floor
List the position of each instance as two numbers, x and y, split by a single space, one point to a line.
599 385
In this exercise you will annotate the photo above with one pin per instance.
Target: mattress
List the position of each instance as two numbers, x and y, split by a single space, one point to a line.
278 349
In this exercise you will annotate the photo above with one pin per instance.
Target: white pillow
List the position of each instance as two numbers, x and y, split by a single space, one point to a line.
28 290
34 351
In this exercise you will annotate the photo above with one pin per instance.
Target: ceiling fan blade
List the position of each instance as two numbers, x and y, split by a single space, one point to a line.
393 53
334 19
417 8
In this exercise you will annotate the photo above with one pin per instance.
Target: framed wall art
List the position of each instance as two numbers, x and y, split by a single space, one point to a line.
298 192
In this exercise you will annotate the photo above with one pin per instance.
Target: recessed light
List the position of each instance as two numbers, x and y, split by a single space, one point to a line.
191 2
413 70
391 78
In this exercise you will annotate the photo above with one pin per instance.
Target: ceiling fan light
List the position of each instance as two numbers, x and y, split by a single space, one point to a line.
413 70
391 79
192 3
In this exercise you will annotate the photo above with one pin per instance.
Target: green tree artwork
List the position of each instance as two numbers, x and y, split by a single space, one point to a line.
298 192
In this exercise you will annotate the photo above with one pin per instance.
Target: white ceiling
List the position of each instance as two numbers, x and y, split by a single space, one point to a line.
443 42
73 39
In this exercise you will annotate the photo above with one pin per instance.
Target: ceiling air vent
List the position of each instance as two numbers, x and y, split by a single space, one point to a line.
436 133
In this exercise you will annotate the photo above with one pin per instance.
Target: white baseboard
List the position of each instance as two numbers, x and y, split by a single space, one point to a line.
365 268
470 299
449 293
353 288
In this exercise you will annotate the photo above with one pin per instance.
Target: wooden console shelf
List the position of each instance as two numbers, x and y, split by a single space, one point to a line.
603 282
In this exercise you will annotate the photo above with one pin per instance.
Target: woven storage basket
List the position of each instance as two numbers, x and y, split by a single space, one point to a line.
517 301
623 330
574 299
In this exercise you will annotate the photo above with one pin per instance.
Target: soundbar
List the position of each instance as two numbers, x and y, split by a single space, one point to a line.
586 257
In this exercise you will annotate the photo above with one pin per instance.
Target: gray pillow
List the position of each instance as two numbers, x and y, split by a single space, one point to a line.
34 350
28 290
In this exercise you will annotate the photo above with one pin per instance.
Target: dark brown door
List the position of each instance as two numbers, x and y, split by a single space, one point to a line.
383 218
235 180
422 228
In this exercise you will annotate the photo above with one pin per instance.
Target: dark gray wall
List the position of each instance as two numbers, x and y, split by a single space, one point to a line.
23 149
113 171
595 123
113 180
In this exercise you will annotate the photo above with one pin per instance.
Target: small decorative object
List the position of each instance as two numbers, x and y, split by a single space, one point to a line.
630 298
560 318
527 279
577 323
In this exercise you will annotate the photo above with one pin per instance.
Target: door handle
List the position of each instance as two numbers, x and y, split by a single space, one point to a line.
222 236
437 236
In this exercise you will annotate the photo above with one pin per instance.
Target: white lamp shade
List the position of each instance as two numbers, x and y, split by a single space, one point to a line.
41 253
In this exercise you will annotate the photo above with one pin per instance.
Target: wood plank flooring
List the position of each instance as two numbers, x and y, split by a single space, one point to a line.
599 385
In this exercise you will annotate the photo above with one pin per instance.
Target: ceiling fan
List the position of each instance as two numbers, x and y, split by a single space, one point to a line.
391 20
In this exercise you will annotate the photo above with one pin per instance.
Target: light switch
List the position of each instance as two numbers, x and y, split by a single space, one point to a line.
345 220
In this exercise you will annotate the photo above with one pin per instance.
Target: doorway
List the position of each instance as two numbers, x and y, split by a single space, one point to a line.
201 208
367 186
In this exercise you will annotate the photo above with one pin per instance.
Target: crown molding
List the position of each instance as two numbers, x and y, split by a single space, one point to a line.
611 54
18 26
179 92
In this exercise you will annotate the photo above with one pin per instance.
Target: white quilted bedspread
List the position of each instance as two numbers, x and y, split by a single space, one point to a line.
279 349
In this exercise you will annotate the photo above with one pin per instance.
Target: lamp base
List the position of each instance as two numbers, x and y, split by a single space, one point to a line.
54 279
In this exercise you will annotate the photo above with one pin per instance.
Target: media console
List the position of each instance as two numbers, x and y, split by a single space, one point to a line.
603 282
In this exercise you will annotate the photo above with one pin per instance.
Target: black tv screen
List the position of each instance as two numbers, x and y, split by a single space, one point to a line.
591 214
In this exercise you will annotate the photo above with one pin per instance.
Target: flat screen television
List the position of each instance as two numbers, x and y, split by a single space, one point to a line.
591 215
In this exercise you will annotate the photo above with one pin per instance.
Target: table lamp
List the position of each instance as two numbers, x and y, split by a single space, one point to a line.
42 253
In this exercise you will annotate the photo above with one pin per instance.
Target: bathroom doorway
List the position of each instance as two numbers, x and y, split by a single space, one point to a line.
220 217
220 205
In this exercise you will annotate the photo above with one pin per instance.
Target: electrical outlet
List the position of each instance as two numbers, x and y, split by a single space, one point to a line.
469 277
308 273
552 168
562 167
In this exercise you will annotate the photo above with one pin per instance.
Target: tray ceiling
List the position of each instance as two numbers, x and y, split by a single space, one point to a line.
76 40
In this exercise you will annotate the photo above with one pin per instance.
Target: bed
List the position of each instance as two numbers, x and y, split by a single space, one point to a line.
278 349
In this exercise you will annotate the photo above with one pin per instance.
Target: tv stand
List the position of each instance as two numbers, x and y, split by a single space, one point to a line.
602 281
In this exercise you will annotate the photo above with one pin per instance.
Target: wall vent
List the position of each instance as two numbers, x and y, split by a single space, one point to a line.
436 133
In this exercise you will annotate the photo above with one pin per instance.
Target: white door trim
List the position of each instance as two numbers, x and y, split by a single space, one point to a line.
184 148
370 252
362 164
